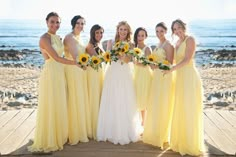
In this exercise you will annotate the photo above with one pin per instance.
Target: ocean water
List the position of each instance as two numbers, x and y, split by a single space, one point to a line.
209 34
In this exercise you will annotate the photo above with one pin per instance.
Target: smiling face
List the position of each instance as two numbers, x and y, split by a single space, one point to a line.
160 32
53 24
79 26
141 36
178 30
123 32
99 35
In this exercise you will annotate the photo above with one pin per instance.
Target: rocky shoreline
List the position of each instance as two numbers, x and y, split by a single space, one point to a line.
19 78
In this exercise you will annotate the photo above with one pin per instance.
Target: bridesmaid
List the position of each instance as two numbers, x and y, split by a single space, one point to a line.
95 78
51 131
77 90
159 113
142 74
187 126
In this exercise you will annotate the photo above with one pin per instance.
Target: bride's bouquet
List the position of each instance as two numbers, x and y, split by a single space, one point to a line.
119 49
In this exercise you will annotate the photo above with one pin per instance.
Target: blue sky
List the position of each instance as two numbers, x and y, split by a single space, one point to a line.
109 11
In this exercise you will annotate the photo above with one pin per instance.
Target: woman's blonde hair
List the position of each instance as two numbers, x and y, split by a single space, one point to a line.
123 23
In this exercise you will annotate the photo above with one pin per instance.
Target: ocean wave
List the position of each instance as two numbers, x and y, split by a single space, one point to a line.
18 36
219 36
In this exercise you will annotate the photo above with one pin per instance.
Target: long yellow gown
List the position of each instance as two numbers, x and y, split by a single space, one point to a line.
159 112
187 125
95 81
51 124
78 102
142 82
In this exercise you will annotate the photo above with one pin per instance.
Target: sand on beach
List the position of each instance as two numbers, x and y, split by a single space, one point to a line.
19 85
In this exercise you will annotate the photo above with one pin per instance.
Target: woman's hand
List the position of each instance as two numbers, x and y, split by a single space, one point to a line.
153 67
167 71
82 67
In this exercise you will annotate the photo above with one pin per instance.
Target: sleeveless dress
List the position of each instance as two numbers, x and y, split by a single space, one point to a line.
78 104
51 124
95 81
142 81
159 112
118 120
187 124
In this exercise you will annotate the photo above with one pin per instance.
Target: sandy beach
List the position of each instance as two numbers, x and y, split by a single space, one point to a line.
19 85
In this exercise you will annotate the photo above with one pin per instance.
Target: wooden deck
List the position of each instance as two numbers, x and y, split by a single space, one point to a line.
17 128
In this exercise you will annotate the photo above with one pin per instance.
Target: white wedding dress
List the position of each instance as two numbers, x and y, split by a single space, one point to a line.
118 120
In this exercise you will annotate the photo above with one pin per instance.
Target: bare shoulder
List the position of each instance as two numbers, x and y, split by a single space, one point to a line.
45 36
190 39
45 39
68 38
168 46
148 49
89 46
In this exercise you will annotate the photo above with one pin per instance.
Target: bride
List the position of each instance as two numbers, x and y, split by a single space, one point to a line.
118 120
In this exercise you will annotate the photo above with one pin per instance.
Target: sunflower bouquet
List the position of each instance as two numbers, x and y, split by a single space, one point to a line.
119 49
152 59
83 60
148 60
136 53
95 62
164 65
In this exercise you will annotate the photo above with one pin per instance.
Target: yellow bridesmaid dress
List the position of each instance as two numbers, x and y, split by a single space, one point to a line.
78 103
159 111
95 81
187 126
142 82
51 124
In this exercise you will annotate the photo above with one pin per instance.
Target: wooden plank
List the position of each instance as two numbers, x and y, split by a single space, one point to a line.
11 126
210 146
18 135
233 113
218 136
2 113
228 117
94 148
223 125
21 149
7 117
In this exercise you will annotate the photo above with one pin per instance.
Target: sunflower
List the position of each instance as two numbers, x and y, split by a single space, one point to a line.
107 57
137 51
117 45
96 60
83 59
152 58
125 48
165 62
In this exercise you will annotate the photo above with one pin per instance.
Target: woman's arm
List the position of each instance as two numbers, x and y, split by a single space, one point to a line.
109 45
169 49
189 52
90 49
70 44
45 43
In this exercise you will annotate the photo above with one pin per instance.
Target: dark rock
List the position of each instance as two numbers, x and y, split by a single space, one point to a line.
219 103
12 104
